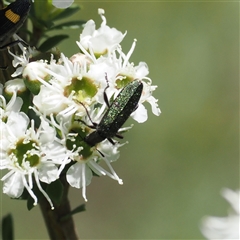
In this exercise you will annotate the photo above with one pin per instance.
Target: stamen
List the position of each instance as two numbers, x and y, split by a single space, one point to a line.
101 13
96 168
14 56
129 53
69 111
43 82
120 181
66 64
7 175
65 161
104 172
84 182
31 129
30 182
92 57
42 191
16 37
92 53
29 191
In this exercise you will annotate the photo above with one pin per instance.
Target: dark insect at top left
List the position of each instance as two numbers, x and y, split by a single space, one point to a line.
12 18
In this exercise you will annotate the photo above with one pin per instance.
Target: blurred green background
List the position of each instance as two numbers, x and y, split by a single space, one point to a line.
175 165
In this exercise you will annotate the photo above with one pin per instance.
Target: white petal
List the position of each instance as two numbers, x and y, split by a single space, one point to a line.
89 28
48 134
48 172
79 175
13 185
18 123
62 3
17 105
140 115
48 101
221 227
233 198
100 40
141 70
224 227
155 109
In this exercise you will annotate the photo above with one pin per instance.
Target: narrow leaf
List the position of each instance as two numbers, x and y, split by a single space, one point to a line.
78 209
67 12
71 24
52 42
7 228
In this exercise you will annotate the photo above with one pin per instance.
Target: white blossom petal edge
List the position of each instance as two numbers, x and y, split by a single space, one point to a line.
224 227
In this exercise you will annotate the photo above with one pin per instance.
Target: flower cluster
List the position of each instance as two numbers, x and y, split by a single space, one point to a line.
43 136
224 227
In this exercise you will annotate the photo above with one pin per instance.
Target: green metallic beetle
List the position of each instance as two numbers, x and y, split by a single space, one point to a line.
117 114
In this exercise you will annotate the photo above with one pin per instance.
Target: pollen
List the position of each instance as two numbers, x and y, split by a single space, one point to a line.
11 16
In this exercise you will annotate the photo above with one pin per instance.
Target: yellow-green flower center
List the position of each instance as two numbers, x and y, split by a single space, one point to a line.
122 83
79 142
26 152
84 88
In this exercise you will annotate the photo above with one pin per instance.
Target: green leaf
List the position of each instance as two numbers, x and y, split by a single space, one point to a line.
55 191
7 228
52 42
71 24
30 202
44 24
42 10
78 209
38 22
67 12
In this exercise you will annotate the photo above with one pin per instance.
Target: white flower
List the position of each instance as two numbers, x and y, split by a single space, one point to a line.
58 93
22 60
62 3
86 159
84 80
79 175
71 97
30 155
14 86
15 103
224 227
140 115
102 40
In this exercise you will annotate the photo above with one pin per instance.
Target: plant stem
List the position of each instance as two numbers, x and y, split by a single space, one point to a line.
57 229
